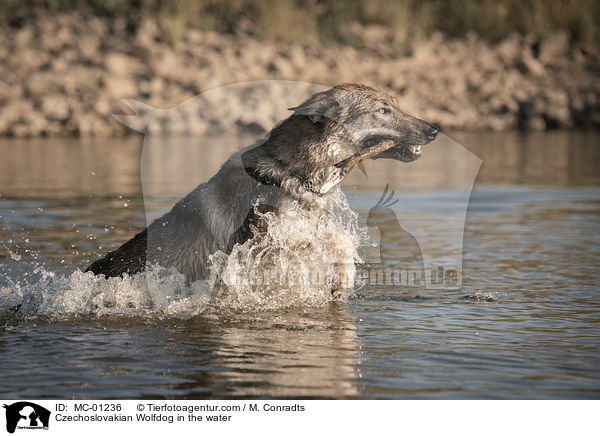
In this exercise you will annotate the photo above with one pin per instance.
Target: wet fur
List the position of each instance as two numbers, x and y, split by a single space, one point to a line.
284 169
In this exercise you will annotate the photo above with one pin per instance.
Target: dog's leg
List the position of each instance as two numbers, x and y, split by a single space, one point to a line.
253 224
344 280
130 258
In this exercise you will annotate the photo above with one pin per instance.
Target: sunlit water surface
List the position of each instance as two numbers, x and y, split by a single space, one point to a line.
524 323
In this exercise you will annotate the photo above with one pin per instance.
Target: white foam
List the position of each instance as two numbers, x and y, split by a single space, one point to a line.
303 256
297 262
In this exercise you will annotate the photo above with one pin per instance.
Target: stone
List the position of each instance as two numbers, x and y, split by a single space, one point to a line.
120 87
553 48
531 64
65 75
55 107
120 64
508 49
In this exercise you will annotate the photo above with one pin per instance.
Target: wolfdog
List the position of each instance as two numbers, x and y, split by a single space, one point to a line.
297 163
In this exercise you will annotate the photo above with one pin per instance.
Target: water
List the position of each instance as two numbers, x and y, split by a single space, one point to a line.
523 324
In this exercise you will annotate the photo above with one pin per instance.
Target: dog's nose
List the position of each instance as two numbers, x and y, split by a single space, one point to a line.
431 132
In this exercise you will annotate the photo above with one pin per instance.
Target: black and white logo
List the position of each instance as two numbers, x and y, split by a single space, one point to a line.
26 415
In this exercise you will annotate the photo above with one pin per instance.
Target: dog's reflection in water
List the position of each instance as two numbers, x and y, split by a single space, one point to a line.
299 353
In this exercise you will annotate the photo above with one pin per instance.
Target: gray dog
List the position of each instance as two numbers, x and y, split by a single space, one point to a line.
294 164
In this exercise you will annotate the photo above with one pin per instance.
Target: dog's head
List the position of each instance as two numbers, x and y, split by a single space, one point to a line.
302 153
361 116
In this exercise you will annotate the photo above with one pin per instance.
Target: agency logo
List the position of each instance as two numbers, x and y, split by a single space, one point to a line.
26 415
420 230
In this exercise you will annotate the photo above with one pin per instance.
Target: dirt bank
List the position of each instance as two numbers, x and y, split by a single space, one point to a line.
63 74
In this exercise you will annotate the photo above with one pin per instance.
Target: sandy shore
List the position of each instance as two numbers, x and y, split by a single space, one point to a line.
65 74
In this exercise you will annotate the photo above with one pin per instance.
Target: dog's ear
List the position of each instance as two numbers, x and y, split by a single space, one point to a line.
319 106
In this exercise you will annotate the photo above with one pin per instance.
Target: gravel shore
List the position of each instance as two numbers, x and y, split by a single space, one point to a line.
65 74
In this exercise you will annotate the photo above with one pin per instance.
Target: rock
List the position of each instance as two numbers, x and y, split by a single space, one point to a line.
30 123
119 64
529 117
531 64
557 111
9 91
55 107
102 106
297 56
558 117
24 37
147 33
553 48
64 75
86 125
535 123
120 87
13 112
38 84
281 67
508 49
165 65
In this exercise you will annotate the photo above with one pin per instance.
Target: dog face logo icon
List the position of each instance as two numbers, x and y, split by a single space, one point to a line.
26 415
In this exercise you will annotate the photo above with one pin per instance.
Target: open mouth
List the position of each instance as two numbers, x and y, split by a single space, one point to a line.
400 151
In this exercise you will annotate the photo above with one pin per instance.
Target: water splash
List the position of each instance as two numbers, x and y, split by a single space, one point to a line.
301 257
12 254
490 297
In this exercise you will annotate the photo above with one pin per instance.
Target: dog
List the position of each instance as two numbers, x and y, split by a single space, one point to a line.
295 164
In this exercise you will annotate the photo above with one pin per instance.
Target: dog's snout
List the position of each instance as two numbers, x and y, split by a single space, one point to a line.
431 132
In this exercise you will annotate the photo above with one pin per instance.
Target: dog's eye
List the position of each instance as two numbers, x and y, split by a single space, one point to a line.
384 110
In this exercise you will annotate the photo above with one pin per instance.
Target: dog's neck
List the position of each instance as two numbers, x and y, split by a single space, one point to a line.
307 147
296 154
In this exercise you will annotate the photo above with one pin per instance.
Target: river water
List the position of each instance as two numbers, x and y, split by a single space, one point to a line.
521 322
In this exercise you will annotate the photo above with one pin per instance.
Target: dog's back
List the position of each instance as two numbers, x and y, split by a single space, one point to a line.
200 224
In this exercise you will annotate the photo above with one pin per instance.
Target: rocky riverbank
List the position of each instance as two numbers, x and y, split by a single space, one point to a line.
64 74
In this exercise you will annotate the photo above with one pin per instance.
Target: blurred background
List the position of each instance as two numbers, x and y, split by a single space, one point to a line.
463 64
514 82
